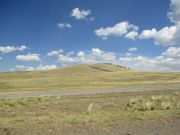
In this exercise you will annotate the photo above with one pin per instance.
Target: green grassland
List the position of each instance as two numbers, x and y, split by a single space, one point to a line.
66 114
95 76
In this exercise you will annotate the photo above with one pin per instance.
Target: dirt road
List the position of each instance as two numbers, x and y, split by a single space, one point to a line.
79 92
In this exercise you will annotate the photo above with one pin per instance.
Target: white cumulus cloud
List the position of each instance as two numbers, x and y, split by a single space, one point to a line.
28 57
96 52
118 30
8 49
64 25
80 14
46 67
168 35
38 68
174 13
95 55
165 36
54 53
169 60
146 34
63 58
132 35
23 68
132 49
172 52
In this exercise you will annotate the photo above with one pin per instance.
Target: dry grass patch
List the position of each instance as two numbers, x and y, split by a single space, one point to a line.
158 102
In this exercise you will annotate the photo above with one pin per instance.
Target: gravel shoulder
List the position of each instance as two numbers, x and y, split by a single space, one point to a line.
169 126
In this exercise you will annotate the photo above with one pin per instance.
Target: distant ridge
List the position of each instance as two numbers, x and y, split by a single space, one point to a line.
90 68
84 76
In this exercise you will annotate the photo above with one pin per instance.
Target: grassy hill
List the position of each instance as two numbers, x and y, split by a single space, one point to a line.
84 76
89 68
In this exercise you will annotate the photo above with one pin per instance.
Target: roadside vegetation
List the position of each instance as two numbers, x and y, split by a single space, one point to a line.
55 115
153 103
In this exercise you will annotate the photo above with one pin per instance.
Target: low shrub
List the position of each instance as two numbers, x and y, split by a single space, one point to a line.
153 103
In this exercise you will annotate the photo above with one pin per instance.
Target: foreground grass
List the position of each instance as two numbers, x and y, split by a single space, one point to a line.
56 114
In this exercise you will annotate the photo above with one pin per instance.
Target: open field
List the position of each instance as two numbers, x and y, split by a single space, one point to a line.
97 76
129 102
137 113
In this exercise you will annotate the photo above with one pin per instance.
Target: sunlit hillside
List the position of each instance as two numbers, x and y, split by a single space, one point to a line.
84 76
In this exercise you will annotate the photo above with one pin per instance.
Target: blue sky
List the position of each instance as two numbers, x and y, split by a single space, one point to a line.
141 34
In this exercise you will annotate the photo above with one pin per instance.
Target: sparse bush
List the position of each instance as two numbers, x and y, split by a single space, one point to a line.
178 105
148 105
156 98
153 103
166 105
